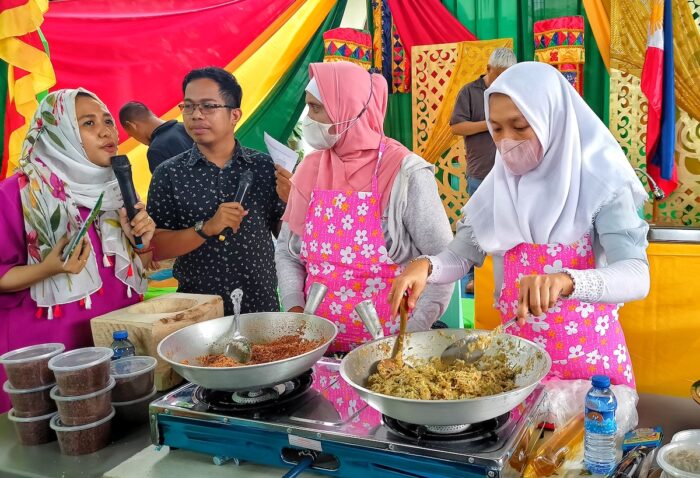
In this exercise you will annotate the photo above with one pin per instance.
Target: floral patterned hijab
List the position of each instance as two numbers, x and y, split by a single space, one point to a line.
57 178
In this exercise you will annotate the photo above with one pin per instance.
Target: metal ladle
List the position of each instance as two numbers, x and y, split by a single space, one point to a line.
231 343
469 349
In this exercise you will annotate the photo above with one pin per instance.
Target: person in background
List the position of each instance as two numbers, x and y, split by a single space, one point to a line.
468 120
361 206
65 166
220 245
558 214
165 139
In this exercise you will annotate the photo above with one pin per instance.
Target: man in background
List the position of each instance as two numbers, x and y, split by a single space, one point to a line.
469 120
165 139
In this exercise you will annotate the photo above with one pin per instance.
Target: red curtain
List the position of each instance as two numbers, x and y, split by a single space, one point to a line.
146 48
426 22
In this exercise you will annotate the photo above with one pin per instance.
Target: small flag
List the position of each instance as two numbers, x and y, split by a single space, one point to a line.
658 85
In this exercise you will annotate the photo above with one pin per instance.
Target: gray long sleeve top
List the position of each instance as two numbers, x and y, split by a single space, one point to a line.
414 224
619 244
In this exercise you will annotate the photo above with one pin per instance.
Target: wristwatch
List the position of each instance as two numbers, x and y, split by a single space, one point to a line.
199 229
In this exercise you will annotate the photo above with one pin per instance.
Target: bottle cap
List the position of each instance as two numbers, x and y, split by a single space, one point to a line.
600 381
120 334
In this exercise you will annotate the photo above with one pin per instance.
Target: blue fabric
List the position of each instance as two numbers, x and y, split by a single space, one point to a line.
387 44
664 155
473 184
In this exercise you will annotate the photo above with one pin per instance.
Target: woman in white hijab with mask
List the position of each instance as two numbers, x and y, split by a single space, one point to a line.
558 214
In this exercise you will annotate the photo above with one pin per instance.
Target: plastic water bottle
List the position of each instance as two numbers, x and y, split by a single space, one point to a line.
599 453
121 345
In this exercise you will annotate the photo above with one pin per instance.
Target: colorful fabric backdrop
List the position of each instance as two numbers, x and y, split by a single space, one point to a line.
559 42
142 50
25 72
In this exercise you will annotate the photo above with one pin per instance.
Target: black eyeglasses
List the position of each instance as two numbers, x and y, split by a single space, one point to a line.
205 108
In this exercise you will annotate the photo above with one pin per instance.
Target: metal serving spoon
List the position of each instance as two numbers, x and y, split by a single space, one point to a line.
231 343
470 349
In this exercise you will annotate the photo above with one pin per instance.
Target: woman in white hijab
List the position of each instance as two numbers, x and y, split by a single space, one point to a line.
558 213
64 168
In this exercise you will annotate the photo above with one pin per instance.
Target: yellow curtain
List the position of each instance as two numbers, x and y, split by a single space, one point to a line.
471 62
14 23
257 73
628 46
599 19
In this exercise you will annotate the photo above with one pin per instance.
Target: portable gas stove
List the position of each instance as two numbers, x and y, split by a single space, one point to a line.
318 416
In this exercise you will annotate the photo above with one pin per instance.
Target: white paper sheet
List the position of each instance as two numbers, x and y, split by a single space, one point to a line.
281 154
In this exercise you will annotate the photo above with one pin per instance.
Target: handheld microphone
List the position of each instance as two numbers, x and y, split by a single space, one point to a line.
122 170
243 185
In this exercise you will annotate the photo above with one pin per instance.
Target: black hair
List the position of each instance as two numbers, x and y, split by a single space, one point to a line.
229 88
133 111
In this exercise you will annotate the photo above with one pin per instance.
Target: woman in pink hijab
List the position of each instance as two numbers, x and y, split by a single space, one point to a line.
360 207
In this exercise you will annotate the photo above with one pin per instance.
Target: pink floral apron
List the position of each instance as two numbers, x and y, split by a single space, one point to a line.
582 339
343 248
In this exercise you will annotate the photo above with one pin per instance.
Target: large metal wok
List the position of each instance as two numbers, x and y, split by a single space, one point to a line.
533 359
194 341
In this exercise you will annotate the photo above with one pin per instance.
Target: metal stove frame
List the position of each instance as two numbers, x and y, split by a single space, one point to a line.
277 441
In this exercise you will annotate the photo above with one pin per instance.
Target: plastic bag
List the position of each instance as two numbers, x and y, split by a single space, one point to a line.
566 398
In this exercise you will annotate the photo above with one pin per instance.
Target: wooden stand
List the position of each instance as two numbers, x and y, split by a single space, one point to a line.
151 321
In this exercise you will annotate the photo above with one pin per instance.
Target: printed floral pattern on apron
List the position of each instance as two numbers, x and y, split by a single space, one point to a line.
583 339
345 400
343 248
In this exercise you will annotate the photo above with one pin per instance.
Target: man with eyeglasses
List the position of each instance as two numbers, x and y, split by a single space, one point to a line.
220 245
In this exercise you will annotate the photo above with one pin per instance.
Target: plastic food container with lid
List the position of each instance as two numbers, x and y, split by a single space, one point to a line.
33 402
83 409
687 435
134 377
680 459
34 430
82 371
135 411
83 439
27 368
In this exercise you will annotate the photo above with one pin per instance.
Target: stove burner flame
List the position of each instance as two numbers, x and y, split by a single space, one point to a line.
447 429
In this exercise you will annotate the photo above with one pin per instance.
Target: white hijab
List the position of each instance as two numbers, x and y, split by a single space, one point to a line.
583 168
58 178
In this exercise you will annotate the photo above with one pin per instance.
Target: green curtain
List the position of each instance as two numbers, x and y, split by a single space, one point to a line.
280 111
489 19
398 121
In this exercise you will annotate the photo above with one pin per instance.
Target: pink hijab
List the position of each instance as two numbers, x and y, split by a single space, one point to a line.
349 165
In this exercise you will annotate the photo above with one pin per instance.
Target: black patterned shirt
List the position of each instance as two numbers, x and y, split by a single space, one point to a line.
188 188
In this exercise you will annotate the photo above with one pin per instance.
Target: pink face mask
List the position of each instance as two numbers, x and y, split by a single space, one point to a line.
520 156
